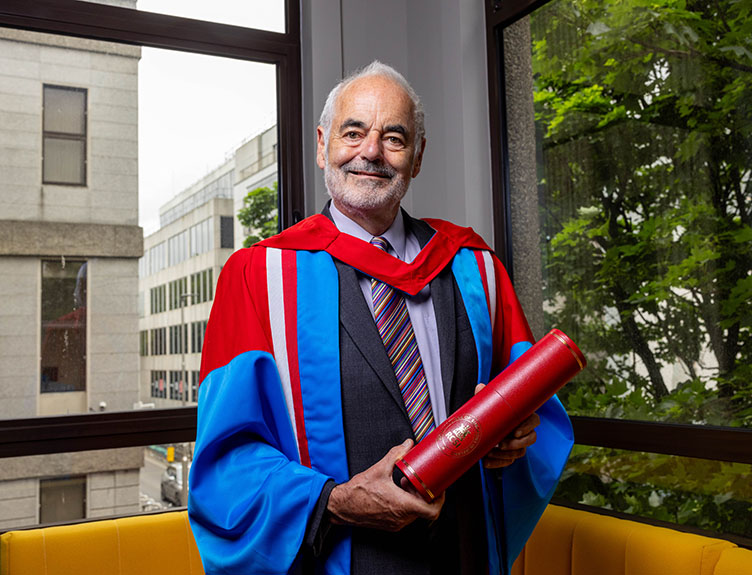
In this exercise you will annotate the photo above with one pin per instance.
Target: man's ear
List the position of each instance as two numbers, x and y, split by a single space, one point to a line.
320 148
419 159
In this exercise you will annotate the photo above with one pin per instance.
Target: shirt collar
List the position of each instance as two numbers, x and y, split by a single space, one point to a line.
395 235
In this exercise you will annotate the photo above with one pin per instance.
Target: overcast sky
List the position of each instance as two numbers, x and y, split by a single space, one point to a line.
194 110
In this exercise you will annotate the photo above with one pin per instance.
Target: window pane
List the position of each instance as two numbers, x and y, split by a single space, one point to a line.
64 110
63 348
42 489
260 14
712 495
644 125
64 161
62 499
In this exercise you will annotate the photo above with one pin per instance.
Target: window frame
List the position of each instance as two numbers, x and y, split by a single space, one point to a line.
61 434
701 441
67 136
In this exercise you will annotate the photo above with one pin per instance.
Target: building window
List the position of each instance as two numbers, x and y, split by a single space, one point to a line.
63 346
226 232
178 288
178 343
176 385
177 248
158 378
159 341
202 286
64 136
158 297
198 328
157 258
194 385
202 237
144 342
62 499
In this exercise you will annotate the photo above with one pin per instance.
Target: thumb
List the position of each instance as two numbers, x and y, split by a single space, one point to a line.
479 387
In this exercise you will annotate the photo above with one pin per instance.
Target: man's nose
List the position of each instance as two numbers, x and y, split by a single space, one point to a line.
372 149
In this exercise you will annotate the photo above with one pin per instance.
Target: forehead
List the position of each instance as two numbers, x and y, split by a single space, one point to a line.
374 99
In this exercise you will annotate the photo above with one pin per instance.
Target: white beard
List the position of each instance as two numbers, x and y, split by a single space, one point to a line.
363 195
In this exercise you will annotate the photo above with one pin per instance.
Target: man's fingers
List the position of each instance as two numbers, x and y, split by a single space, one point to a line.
528 425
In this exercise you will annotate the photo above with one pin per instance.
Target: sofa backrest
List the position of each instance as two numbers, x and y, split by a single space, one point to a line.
160 544
572 542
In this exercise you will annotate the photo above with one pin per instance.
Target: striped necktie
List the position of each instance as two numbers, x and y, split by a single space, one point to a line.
397 332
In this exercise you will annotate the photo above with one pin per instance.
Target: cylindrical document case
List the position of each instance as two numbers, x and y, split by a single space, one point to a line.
488 417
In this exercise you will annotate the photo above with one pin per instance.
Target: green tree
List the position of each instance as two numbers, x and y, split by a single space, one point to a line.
644 109
644 115
259 214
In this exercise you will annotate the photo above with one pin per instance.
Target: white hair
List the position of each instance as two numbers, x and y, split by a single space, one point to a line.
375 68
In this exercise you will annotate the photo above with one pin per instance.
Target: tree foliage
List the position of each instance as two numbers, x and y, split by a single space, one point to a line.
644 109
259 214
644 116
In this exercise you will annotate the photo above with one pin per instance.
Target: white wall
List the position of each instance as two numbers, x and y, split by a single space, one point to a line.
439 45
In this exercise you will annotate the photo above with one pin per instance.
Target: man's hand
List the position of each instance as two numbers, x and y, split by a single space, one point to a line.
514 445
371 499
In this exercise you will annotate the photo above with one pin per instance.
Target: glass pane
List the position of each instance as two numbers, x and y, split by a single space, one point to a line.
260 14
644 136
64 161
712 495
64 110
42 489
63 349
62 499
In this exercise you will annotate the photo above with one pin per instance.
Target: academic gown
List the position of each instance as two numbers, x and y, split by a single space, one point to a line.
295 394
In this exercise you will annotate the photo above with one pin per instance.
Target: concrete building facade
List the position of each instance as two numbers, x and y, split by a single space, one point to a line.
182 260
69 246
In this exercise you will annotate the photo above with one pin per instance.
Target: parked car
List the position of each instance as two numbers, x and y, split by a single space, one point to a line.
171 486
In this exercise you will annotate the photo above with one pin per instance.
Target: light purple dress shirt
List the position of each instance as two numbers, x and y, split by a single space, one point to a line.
419 307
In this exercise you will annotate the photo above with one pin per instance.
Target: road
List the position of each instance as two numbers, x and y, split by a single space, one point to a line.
151 476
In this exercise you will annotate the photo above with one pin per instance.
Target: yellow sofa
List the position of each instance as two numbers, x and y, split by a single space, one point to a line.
159 544
565 542
571 542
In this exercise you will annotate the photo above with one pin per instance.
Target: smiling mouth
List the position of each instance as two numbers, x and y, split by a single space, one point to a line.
370 174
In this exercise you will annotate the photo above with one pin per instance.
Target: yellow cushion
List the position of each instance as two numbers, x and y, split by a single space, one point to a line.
161 544
549 549
735 561
658 551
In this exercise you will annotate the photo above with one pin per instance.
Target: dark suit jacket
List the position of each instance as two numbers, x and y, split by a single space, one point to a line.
375 420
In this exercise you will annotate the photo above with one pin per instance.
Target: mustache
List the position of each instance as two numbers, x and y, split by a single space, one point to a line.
358 165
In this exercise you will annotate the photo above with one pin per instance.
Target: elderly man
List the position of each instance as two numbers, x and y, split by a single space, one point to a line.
337 344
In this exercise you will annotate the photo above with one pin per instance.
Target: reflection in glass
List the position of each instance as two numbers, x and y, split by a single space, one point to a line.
711 495
644 126
63 326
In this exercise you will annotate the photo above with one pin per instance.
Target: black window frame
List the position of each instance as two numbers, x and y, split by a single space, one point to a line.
700 441
68 136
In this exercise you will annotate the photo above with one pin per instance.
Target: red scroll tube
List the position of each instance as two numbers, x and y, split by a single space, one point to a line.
489 416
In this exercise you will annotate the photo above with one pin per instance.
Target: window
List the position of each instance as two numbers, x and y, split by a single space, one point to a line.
158 386
202 286
158 299
159 341
178 248
194 385
64 137
63 346
198 328
144 343
226 234
202 237
176 385
95 59
178 343
62 499
641 217
178 289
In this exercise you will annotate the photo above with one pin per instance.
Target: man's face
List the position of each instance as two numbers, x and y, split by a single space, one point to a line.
370 157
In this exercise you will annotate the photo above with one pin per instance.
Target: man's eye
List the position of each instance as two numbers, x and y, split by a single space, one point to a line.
352 135
395 141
